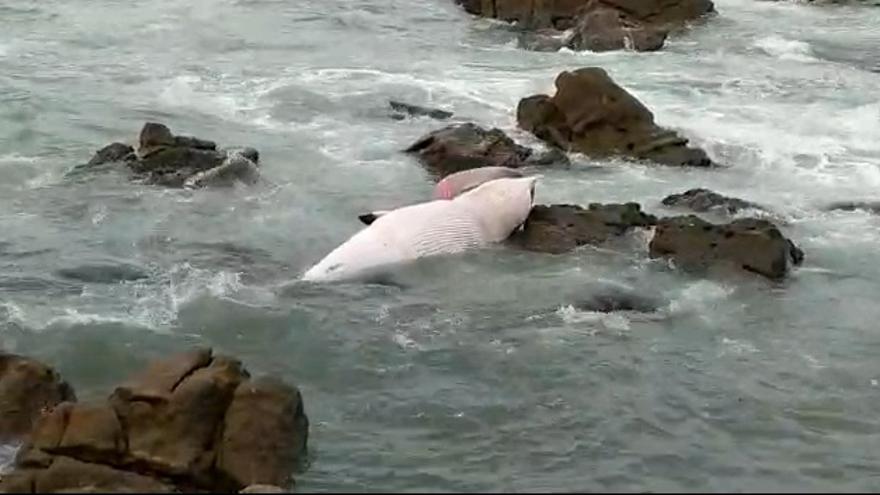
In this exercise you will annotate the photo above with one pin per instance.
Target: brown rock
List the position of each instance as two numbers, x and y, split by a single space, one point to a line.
176 435
265 435
466 146
668 14
193 420
531 13
163 376
704 200
557 229
115 152
93 432
600 25
606 29
154 135
71 476
27 389
591 114
750 244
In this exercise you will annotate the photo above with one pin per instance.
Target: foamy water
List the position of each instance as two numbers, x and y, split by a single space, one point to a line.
482 372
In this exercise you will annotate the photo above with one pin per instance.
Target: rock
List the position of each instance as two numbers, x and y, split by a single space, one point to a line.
609 299
606 29
154 135
869 206
265 434
102 273
465 146
600 25
27 389
704 200
750 244
114 152
236 168
663 14
175 435
402 110
176 161
262 489
591 114
67 475
194 422
557 229
193 142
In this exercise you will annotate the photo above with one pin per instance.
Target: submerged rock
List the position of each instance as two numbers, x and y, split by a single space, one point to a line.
703 200
177 161
194 421
404 110
103 273
609 299
749 244
27 389
591 114
465 146
557 229
869 206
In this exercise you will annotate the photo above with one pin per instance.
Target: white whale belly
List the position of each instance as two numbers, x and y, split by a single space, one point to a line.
401 236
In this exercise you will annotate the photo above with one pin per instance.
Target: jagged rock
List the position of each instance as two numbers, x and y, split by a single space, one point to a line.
750 244
27 389
465 146
265 433
557 229
704 200
177 161
591 114
194 421
402 110
114 152
599 25
606 29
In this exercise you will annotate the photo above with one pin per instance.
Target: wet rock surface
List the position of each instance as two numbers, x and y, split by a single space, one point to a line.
749 244
704 200
466 146
593 115
179 161
27 389
557 229
195 421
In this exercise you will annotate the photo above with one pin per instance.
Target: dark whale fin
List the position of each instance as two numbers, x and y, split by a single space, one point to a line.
368 218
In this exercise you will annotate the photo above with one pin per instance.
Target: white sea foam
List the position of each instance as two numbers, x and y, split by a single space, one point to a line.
785 49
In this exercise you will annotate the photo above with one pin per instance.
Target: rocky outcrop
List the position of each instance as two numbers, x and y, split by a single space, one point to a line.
605 29
609 299
180 161
557 229
597 25
465 146
401 110
193 422
591 114
750 244
704 200
27 389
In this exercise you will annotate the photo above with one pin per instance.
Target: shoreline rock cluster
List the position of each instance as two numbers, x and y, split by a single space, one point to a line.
595 25
193 422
